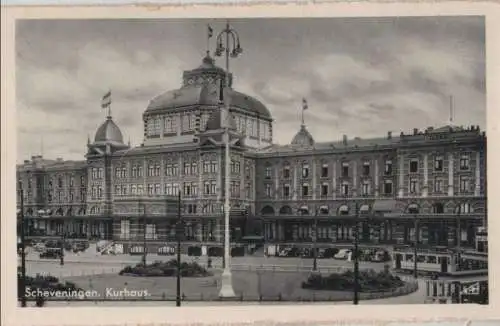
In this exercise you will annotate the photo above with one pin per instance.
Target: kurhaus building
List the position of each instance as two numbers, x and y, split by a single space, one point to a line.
282 192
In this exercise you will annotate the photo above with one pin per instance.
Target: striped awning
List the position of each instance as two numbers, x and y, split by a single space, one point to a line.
387 205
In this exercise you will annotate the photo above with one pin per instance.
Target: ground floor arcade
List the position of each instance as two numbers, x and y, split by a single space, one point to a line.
443 232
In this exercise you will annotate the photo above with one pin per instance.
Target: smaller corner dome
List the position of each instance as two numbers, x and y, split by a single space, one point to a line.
108 132
303 137
214 122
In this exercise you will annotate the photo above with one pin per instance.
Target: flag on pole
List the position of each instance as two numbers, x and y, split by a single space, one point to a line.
106 100
304 104
210 31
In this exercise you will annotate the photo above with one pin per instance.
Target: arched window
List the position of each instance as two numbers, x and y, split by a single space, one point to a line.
438 208
286 210
344 210
413 209
364 209
323 210
267 210
303 210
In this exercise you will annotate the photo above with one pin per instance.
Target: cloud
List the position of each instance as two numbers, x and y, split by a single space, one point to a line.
361 76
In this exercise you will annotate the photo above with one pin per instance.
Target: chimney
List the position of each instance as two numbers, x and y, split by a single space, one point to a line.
59 159
389 135
415 131
26 161
344 139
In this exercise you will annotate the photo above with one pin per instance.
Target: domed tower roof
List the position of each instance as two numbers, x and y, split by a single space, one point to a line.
108 132
200 87
303 137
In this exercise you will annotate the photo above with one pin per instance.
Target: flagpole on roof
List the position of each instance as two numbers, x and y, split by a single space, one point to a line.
106 103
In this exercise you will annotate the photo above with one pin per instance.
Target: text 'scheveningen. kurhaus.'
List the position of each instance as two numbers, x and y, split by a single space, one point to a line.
277 191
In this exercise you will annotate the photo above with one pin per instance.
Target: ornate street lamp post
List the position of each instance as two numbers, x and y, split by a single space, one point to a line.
231 48
415 247
315 240
22 285
142 208
356 256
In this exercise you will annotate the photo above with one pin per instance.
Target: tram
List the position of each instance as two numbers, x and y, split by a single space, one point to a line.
440 261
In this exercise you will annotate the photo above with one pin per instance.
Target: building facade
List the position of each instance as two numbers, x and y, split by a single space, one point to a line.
431 183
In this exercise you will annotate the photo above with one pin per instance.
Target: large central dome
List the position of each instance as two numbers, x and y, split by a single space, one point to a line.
201 88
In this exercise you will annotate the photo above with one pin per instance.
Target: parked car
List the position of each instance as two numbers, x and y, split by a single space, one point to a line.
39 247
343 254
380 256
51 253
330 252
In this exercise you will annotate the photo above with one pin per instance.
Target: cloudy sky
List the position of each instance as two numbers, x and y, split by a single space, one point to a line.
362 76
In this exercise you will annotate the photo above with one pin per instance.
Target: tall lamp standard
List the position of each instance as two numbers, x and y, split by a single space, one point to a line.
415 248
356 254
142 211
22 285
315 240
231 48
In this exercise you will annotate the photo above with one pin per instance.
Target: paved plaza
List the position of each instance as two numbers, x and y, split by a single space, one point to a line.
253 276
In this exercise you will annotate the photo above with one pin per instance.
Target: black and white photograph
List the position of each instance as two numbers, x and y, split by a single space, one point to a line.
251 161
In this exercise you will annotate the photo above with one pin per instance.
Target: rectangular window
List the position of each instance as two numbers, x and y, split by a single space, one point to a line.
151 232
268 172
345 170
324 171
438 185
413 185
187 168
168 189
366 189
268 190
305 189
157 189
366 168
324 189
286 191
125 229
464 184
388 187
438 164
213 167
345 189
194 188
305 170
413 166
140 190
206 166
286 172
150 189
187 189
464 162
170 126
213 187
194 168
388 167
206 188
